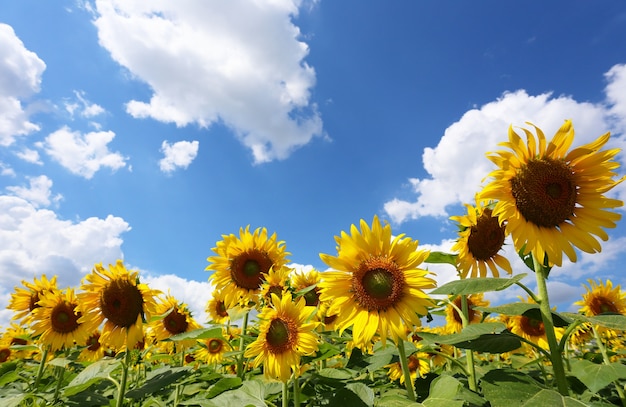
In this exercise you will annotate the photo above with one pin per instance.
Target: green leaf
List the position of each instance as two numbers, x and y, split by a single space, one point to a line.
336 374
395 401
469 333
492 343
552 398
507 387
354 394
363 392
251 393
527 309
611 321
597 376
440 257
93 373
224 384
14 401
201 333
325 351
476 285
381 358
158 379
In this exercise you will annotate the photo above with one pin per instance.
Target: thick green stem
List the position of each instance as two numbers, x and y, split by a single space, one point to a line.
60 371
469 355
607 361
541 274
121 391
42 366
296 390
404 362
285 394
244 327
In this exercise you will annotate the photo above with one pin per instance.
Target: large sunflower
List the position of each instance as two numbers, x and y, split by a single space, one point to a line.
56 323
241 263
177 320
480 240
378 287
117 298
602 298
552 199
454 323
284 336
24 301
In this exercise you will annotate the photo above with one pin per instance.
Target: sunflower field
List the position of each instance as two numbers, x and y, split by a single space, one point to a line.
363 332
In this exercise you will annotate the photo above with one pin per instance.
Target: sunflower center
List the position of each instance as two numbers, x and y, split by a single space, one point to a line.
34 299
329 319
312 297
4 354
221 309
121 302
247 269
94 342
545 192
474 316
280 335
378 283
414 363
175 322
18 341
275 289
215 345
486 237
532 327
63 319
600 305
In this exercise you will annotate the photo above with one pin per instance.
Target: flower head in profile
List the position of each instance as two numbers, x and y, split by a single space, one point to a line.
93 350
454 322
378 287
275 282
56 320
481 238
241 263
418 363
552 200
15 335
25 300
216 307
307 281
601 298
530 328
177 320
285 335
117 298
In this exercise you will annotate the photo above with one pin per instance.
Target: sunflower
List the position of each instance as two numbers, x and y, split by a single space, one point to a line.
212 350
418 365
117 298
302 280
241 263
530 328
284 336
56 320
217 308
177 320
275 282
552 200
378 288
93 350
602 298
480 240
24 301
454 323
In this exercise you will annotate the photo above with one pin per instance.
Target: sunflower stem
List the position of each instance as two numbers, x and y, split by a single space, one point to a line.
121 391
404 362
607 361
296 390
285 394
42 366
556 358
60 371
244 327
469 355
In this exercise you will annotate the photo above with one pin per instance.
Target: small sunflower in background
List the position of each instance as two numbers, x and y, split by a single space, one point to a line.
481 238
177 320
301 280
18 335
285 335
217 308
212 350
552 200
25 300
275 282
378 287
530 328
116 298
454 322
419 365
56 321
93 350
602 297
241 263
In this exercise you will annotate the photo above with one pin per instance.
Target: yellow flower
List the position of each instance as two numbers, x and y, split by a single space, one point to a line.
24 301
418 365
212 350
454 323
602 298
378 288
93 350
217 308
56 320
301 280
177 320
552 200
284 336
530 328
242 262
480 240
275 282
15 335
117 298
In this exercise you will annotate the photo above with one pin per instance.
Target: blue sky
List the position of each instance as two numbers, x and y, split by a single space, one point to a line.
146 130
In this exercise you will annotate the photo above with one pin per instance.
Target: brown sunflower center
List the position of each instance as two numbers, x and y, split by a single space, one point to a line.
175 322
414 363
18 341
94 342
312 297
486 237
34 299
545 192
248 269
473 315
532 327
378 283
281 335
63 319
329 319
121 302
215 345
4 354
221 310
275 289
600 305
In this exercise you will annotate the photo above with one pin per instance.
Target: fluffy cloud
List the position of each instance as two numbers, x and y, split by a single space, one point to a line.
457 165
38 193
29 155
240 62
83 107
35 241
20 77
177 155
83 154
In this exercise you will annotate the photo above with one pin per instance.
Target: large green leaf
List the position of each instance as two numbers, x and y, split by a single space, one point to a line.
597 376
547 397
251 393
476 285
224 384
158 379
527 309
507 387
612 321
93 373
469 333
441 257
395 400
492 343
444 391
201 333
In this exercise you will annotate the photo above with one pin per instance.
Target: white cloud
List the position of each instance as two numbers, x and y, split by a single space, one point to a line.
38 193
83 106
29 155
35 241
240 62
5 169
83 154
177 155
457 165
20 77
